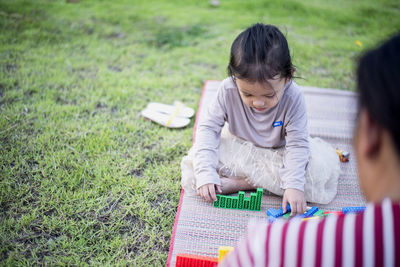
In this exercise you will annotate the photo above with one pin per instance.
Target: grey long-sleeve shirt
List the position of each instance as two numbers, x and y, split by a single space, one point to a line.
283 125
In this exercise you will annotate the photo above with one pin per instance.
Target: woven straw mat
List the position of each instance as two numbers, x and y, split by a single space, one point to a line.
201 229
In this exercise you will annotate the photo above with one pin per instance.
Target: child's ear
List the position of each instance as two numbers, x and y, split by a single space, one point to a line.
372 141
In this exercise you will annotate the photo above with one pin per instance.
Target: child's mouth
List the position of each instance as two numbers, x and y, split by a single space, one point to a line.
261 109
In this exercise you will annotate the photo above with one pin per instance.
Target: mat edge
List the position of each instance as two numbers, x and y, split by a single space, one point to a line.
172 243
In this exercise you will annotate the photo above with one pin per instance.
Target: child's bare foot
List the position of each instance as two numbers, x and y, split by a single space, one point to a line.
234 184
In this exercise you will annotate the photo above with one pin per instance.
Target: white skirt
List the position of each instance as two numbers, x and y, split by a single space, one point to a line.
260 167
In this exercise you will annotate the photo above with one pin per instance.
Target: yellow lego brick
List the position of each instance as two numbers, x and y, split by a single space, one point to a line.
223 251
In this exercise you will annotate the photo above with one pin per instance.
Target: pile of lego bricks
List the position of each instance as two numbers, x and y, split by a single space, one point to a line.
311 213
187 260
200 228
240 202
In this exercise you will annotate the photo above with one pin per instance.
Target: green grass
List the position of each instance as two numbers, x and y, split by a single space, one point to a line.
83 178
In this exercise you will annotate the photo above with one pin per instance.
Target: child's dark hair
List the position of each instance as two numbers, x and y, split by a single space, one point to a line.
378 84
260 53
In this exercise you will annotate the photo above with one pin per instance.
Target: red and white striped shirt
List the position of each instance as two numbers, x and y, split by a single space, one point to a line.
371 238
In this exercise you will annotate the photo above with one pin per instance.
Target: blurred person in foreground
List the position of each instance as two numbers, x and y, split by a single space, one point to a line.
371 238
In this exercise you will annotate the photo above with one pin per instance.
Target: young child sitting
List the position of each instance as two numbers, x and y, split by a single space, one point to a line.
255 132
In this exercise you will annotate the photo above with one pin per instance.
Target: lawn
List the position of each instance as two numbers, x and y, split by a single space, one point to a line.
84 180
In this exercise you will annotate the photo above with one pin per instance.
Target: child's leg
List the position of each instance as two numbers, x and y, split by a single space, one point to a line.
230 185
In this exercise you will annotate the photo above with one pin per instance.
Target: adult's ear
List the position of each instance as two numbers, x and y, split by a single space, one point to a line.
370 134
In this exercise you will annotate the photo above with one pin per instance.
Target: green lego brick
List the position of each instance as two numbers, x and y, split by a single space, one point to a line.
319 213
253 201
259 198
235 203
228 202
216 203
246 203
222 201
241 200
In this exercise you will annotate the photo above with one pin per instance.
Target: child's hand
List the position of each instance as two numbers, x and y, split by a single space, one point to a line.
296 200
207 191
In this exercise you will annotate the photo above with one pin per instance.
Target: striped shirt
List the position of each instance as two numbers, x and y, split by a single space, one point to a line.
371 238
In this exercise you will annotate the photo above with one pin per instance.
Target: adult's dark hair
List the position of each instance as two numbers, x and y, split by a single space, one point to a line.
378 84
260 53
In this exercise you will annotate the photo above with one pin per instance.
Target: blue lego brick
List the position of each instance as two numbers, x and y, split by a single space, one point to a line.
346 210
277 212
309 212
274 212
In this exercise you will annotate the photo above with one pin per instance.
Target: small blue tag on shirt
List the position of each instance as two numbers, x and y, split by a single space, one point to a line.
277 123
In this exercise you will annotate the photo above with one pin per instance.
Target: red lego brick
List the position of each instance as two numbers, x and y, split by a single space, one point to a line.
187 260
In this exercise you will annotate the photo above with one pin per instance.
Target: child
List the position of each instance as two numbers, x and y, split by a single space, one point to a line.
265 140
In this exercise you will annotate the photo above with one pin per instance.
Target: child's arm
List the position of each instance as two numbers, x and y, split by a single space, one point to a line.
205 160
296 156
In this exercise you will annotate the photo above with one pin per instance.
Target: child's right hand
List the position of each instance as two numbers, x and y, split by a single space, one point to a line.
207 191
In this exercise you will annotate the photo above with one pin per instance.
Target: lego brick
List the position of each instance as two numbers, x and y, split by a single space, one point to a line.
241 199
253 199
259 198
235 203
223 201
223 251
312 218
187 260
246 203
346 210
319 213
309 212
240 202
277 212
334 212
228 202
216 203
274 212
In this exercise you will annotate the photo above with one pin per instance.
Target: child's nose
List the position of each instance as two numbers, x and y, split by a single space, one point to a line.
258 103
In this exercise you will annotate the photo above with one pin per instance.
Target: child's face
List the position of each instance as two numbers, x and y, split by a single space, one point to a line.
261 96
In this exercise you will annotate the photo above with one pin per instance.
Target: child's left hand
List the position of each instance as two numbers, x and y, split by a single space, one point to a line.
296 199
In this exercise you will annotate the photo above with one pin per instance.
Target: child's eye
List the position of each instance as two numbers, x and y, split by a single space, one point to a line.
246 95
269 96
